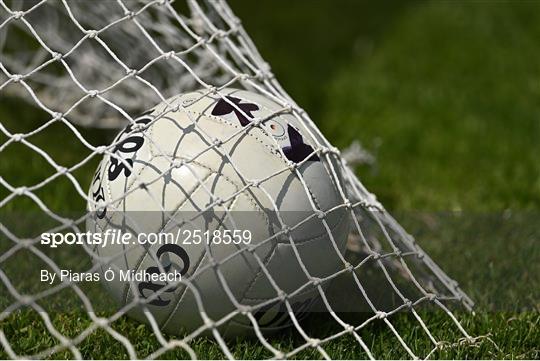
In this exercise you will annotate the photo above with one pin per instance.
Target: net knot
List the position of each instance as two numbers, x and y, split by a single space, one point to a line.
169 54
101 322
17 137
381 315
256 122
286 230
213 263
93 93
217 142
221 34
131 72
91 34
440 345
16 78
324 150
292 166
25 300
57 56
26 243
470 340
244 309
177 163
18 15
203 40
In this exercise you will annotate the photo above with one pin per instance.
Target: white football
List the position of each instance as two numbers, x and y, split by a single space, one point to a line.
229 161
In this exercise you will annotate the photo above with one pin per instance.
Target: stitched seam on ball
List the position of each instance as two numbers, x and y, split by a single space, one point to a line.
273 150
178 300
328 164
199 185
230 181
258 273
180 297
249 326
315 238
313 141
248 287
151 137
296 243
310 193
317 203
153 150
143 256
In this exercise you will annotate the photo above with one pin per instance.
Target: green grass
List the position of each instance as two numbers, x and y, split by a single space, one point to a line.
445 94
451 95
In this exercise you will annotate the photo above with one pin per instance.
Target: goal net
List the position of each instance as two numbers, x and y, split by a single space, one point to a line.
74 72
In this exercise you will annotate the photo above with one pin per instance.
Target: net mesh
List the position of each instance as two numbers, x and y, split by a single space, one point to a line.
82 65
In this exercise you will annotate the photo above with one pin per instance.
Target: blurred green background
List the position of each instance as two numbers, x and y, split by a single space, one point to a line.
445 93
446 96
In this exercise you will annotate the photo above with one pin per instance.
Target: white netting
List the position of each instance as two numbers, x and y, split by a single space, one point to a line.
100 64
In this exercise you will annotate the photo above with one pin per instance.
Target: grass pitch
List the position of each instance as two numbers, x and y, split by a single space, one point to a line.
446 95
